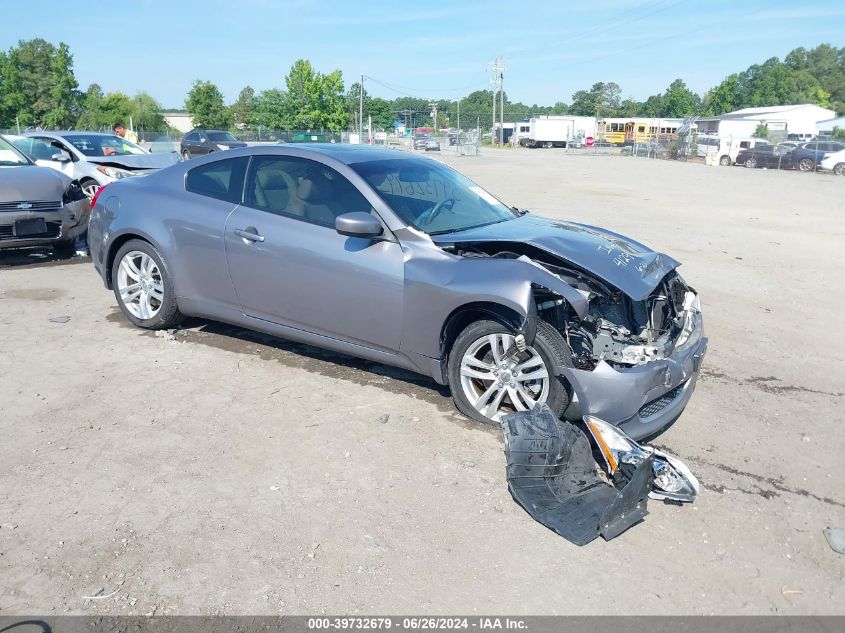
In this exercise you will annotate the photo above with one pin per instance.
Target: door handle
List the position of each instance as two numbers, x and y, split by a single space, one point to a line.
249 235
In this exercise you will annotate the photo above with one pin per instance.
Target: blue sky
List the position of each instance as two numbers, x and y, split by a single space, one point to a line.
427 49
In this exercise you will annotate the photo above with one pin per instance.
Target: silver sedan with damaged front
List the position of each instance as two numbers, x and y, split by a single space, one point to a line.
402 260
38 206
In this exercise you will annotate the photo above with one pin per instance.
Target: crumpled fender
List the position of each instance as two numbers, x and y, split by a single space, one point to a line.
437 284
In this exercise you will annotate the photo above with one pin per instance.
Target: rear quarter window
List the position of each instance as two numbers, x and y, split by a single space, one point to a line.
222 179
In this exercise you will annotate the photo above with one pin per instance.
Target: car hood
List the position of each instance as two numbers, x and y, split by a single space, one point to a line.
156 160
618 260
28 182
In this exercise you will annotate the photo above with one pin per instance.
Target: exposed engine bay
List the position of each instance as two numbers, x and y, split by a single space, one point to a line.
617 329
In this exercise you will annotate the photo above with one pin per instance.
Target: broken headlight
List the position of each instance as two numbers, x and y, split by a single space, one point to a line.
672 479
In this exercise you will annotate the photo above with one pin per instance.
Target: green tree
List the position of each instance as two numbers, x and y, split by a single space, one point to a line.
602 100
679 101
243 108
381 111
269 109
314 100
761 131
826 64
64 96
145 114
38 85
205 103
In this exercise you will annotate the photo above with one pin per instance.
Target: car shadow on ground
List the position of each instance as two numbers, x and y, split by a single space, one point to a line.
38 256
312 359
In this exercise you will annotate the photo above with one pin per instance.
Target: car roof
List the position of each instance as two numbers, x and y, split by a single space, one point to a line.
63 133
349 154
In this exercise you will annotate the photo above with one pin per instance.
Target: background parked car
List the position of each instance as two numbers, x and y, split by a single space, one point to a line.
420 141
199 142
809 155
37 205
432 145
777 156
834 162
92 158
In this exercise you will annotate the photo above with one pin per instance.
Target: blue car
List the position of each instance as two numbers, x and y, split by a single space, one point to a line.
808 156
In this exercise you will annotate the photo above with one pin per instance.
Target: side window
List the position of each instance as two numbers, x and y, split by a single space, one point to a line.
301 188
744 144
222 179
42 148
192 136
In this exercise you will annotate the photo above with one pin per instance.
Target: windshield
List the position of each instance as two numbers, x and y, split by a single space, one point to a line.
11 156
103 145
430 196
221 136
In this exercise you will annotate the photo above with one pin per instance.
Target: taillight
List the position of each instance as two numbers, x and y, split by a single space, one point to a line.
96 196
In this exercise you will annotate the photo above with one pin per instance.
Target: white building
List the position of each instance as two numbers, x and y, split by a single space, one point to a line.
801 120
182 121
826 127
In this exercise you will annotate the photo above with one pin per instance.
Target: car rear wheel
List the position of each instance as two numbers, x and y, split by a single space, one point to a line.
725 161
751 162
143 287
806 164
487 383
186 155
839 169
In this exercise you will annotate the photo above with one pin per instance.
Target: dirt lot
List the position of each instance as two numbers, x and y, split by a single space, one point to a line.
214 471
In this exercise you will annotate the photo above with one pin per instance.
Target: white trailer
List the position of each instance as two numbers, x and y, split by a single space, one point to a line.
558 131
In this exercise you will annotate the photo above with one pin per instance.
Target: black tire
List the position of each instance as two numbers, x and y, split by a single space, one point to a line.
548 343
806 164
186 155
751 162
168 314
839 169
725 161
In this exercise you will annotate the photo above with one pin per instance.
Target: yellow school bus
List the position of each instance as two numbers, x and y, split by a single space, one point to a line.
624 131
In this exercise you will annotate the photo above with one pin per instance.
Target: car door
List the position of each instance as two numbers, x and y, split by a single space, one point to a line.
44 148
289 265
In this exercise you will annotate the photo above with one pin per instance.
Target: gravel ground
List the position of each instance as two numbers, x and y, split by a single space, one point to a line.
211 471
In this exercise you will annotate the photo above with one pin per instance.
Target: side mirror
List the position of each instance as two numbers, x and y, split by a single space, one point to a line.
358 224
60 157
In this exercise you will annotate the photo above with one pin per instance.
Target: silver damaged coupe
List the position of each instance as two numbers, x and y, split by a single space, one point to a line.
399 259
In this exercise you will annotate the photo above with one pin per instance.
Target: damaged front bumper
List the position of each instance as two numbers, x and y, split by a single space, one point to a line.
643 399
61 223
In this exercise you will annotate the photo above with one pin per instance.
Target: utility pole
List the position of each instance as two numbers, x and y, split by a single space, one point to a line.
434 115
361 110
502 106
496 69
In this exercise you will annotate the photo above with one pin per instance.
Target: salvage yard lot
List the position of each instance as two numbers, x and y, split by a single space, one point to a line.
212 470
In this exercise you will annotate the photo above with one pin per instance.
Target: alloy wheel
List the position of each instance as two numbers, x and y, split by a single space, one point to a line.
496 384
90 189
140 284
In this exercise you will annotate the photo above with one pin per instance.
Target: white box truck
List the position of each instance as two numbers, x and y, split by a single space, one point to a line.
558 131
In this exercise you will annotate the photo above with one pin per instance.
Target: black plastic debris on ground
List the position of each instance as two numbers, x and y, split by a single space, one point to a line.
552 474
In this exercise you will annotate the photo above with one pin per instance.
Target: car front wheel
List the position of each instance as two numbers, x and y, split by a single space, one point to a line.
143 287
806 164
489 378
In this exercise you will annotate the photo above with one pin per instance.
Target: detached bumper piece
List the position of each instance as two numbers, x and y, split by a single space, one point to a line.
553 475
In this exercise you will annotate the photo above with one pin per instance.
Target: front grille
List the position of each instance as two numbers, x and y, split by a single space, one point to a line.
54 230
658 404
35 205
